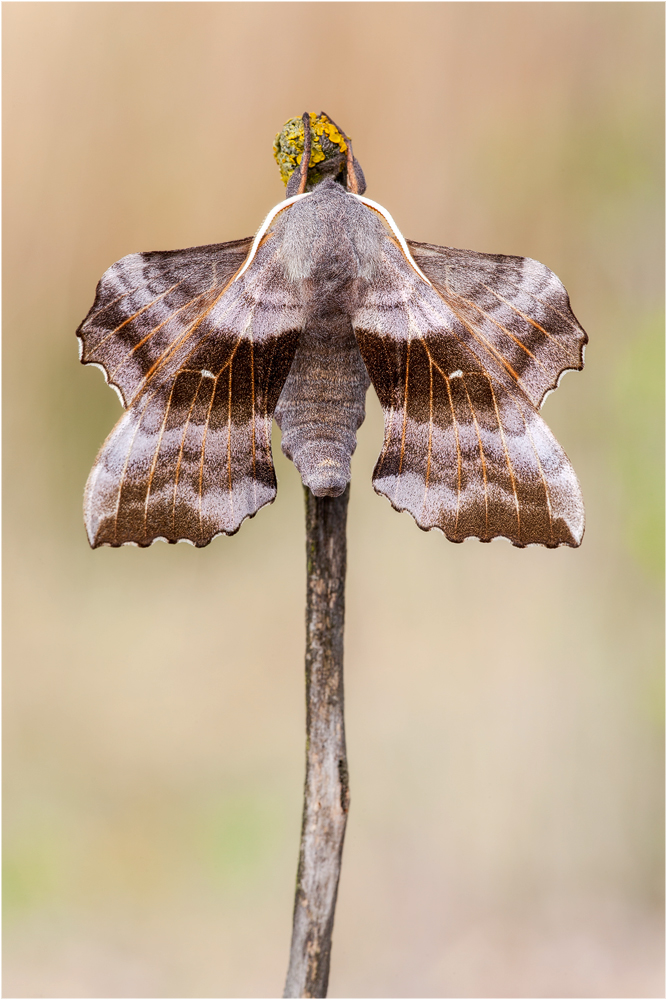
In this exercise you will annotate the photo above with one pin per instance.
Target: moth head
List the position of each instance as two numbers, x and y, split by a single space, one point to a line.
328 151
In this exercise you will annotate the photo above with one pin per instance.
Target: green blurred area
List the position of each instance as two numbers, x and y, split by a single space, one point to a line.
504 707
637 398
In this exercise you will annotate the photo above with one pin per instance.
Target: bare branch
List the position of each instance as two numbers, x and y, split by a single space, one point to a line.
326 792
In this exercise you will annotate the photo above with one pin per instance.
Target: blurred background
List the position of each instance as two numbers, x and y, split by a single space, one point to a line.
504 707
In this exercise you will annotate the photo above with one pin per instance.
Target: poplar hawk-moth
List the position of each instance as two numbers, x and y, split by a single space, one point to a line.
207 345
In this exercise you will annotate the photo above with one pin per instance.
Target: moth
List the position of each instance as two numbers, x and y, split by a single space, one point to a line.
207 345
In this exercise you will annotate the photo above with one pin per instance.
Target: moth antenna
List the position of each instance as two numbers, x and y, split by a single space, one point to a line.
352 183
305 159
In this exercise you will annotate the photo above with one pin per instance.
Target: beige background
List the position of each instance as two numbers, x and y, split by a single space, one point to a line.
504 707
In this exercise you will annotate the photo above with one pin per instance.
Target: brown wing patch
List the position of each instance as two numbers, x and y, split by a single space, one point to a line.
189 459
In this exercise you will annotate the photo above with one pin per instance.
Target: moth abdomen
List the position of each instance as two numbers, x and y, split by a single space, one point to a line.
320 409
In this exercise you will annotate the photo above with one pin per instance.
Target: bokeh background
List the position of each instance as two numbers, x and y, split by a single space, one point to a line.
504 707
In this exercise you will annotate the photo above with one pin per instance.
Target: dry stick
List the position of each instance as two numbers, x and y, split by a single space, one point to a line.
326 791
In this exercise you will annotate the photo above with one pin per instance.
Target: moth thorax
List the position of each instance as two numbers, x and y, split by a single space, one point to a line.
320 409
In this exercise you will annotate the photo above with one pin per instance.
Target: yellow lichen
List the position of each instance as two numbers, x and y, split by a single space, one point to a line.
326 142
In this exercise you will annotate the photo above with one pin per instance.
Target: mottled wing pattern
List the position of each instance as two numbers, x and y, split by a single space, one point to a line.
199 360
455 365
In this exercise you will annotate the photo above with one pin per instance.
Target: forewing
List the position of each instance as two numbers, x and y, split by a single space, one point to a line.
201 360
146 302
464 450
514 311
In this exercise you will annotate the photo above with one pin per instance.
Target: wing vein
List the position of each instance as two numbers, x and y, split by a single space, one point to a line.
501 327
172 348
203 453
507 459
389 422
252 402
113 302
458 453
229 441
180 453
151 474
539 465
405 407
121 480
430 432
528 319
267 421
155 330
481 455
568 319
138 313
489 346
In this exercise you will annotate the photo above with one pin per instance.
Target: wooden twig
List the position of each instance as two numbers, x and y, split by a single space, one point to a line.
326 791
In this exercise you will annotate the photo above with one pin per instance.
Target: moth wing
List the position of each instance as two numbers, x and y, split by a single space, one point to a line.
200 360
514 310
464 448
146 302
